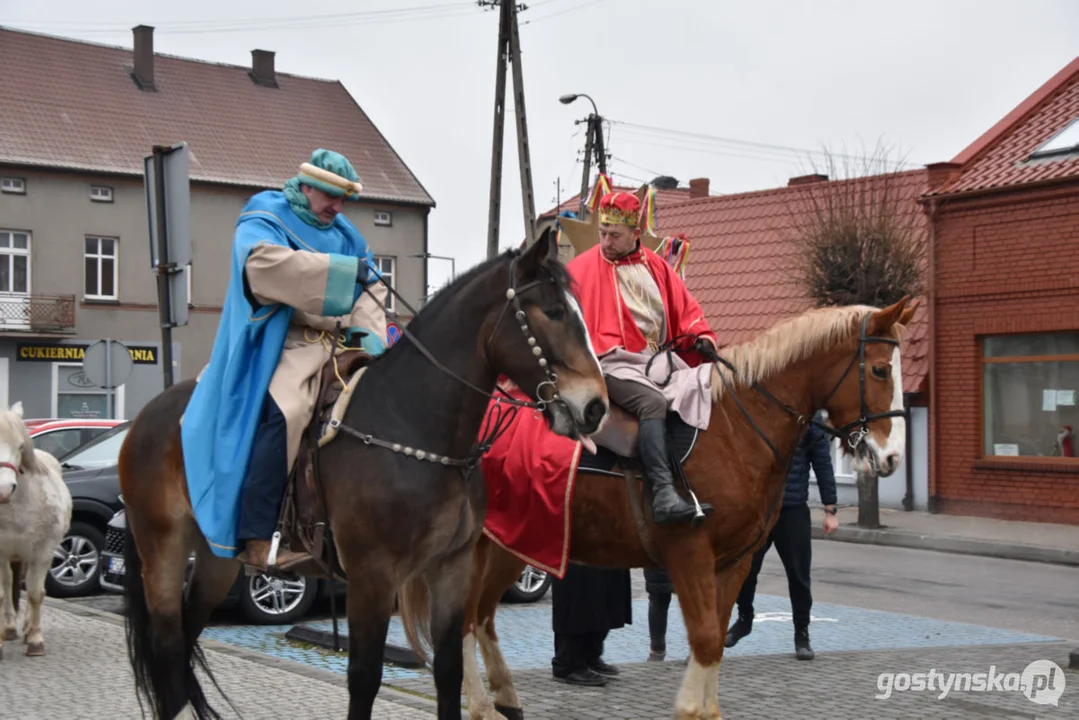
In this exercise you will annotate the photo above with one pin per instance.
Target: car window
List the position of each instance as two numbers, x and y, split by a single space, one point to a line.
102 451
59 442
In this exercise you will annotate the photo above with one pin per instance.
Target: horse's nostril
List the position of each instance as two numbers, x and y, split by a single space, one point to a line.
594 412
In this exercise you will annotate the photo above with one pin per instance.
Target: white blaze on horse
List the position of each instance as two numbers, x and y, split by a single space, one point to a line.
35 513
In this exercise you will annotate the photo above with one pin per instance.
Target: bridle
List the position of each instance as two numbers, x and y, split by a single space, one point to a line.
12 467
506 406
854 431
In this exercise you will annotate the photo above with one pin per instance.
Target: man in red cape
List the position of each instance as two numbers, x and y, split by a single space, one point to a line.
634 303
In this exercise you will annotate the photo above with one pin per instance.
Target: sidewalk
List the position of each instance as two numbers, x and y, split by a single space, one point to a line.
1012 540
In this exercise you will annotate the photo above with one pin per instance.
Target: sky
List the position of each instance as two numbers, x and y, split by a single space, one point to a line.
744 93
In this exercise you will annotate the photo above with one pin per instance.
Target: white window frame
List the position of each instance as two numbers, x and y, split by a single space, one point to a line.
13 186
190 295
119 397
98 257
391 301
5 251
101 193
383 217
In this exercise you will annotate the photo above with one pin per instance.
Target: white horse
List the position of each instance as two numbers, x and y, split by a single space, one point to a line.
35 513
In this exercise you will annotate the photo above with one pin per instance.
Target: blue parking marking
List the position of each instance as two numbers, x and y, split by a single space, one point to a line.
528 642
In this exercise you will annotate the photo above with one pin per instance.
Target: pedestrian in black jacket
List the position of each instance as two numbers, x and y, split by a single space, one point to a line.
793 541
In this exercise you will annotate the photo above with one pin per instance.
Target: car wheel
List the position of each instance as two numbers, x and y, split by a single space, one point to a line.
530 587
76 562
271 600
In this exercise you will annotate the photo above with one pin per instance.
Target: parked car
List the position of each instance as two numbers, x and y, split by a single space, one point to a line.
90 472
60 437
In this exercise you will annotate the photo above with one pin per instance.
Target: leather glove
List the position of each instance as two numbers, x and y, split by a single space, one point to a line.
706 349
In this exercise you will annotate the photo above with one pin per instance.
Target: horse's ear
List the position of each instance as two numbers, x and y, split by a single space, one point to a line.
908 314
17 408
885 318
543 251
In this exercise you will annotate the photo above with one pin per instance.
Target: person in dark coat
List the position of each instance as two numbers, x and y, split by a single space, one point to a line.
660 589
793 541
585 605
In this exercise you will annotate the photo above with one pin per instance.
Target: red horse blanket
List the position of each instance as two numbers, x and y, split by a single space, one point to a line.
530 474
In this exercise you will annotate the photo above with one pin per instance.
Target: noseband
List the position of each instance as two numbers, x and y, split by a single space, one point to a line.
12 467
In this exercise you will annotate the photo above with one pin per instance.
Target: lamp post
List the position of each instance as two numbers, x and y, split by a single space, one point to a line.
593 143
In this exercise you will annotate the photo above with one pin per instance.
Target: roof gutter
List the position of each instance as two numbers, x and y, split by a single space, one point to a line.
1003 190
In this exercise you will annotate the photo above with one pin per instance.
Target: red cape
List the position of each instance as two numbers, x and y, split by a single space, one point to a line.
609 320
530 474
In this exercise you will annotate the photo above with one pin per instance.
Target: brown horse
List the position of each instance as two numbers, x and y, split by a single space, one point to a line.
405 503
844 360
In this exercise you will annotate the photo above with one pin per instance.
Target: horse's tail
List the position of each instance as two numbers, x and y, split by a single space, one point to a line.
414 606
146 649
16 584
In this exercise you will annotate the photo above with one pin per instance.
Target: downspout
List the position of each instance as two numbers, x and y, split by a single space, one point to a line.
933 500
908 499
426 249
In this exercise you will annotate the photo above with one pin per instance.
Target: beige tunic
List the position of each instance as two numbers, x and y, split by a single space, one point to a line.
297 278
689 392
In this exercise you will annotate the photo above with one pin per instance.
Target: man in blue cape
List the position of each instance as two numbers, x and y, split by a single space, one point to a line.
299 267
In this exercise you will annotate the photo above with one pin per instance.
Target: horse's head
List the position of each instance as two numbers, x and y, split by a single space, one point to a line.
864 396
16 451
539 340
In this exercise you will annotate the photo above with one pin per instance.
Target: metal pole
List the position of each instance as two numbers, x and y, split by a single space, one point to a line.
528 199
163 266
109 397
495 208
601 152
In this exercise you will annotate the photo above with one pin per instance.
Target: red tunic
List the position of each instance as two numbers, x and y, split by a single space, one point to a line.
608 318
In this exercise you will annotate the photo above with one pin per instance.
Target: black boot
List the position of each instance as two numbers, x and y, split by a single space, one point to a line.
668 507
742 626
801 644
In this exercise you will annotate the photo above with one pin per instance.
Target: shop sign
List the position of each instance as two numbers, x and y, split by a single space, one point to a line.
56 352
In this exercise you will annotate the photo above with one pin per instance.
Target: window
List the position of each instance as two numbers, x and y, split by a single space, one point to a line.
74 396
101 193
59 442
385 266
101 268
14 262
13 186
383 218
1064 142
1030 385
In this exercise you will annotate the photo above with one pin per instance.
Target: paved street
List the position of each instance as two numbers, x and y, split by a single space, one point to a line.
877 610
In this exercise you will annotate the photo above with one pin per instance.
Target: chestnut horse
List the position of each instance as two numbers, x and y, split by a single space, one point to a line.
405 503
844 360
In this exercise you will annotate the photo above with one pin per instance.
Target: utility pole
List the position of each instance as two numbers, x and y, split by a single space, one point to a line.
587 172
509 50
593 144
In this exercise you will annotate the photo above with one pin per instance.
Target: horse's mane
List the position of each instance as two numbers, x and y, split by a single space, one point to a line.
786 343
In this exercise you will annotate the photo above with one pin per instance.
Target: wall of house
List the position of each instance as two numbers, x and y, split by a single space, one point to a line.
1005 265
59 214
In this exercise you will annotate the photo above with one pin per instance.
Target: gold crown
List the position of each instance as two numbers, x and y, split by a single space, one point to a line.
617 216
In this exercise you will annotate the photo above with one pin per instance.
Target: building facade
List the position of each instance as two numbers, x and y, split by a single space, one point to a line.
1005 341
74 239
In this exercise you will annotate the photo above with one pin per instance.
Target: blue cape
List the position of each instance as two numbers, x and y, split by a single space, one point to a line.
220 421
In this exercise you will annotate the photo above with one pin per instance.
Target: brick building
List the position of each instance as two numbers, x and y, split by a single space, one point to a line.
1004 351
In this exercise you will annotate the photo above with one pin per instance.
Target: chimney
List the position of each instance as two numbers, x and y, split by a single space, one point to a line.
698 188
262 68
807 179
144 57
941 174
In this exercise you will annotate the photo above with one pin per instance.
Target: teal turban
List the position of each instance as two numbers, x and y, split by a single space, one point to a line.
328 171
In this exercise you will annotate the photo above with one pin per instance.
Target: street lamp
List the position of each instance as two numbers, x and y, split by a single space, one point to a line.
572 97
593 144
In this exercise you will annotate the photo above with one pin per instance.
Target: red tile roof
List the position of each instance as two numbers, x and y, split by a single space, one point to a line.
1001 156
74 105
737 257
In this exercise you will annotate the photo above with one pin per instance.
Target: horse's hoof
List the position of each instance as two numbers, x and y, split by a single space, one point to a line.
510 713
35 649
11 634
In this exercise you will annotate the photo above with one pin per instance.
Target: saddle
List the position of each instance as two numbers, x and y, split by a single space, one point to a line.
303 517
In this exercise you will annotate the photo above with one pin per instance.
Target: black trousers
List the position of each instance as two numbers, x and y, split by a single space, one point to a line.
640 400
792 538
267 474
659 587
576 651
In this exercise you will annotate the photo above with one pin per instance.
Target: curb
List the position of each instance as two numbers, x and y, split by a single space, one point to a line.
957 545
392 655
